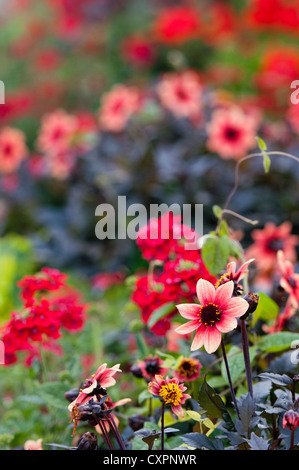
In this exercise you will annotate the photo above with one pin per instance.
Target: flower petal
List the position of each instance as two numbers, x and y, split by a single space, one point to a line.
236 307
224 292
198 339
187 327
189 311
178 410
205 291
226 324
212 339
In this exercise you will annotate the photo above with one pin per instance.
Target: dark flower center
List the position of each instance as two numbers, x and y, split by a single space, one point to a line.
231 133
275 244
152 366
210 314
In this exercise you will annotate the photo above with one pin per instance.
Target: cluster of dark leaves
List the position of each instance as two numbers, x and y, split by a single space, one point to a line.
259 425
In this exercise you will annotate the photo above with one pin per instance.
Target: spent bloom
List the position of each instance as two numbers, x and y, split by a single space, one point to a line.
217 313
170 391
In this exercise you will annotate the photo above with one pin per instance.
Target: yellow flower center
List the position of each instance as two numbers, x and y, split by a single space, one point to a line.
171 394
224 278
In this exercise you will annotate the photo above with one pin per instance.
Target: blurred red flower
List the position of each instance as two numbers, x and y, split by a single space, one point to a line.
138 51
176 25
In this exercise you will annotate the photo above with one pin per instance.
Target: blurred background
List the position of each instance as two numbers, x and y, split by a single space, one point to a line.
93 110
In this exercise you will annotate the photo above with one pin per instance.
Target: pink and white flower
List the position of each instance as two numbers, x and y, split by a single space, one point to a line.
103 378
231 132
217 313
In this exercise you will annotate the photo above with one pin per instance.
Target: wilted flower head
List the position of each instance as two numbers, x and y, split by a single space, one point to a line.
215 315
170 391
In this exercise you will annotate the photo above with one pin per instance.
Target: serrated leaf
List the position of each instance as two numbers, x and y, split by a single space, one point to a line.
199 441
277 379
257 443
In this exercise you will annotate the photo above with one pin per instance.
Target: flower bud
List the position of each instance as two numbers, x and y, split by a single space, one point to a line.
136 371
136 422
88 441
71 395
252 300
290 420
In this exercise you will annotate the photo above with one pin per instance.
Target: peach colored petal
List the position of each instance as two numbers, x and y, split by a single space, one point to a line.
224 292
189 311
198 339
226 324
178 410
236 307
205 291
188 327
212 339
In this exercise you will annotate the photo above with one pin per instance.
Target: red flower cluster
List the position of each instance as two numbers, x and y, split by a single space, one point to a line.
177 25
281 15
175 280
49 306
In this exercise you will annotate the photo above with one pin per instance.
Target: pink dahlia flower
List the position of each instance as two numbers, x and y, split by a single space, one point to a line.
103 378
216 314
170 391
